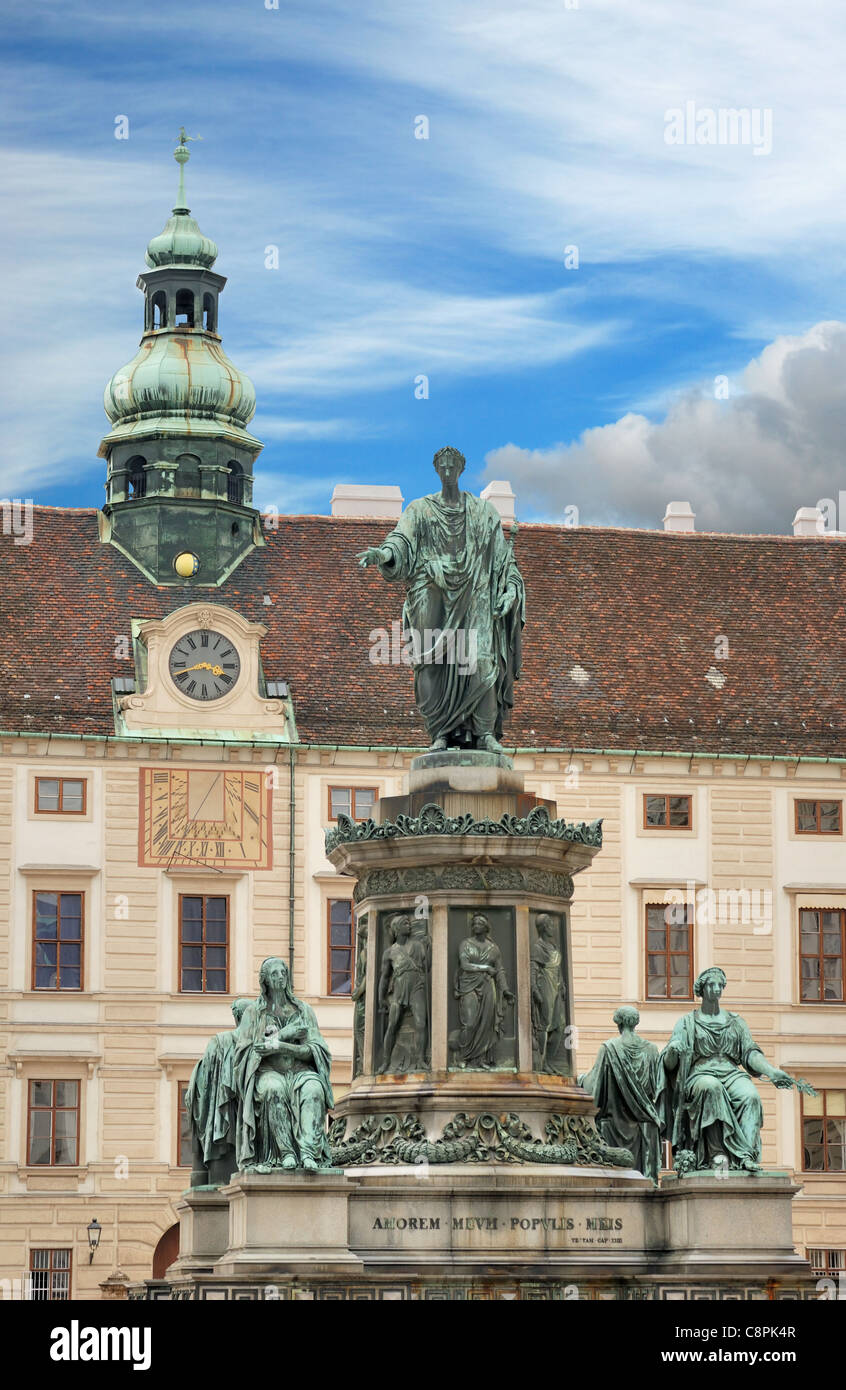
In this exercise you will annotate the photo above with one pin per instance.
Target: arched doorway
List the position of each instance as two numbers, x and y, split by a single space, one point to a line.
166 1252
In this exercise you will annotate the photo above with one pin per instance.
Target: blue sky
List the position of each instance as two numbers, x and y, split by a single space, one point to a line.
591 386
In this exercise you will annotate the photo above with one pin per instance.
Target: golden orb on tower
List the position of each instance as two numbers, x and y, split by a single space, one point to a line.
186 564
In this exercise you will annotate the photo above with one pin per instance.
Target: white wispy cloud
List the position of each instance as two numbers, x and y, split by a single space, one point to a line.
273 427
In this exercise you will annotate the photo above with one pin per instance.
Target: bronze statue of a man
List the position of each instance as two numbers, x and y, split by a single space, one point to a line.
624 1083
211 1105
464 609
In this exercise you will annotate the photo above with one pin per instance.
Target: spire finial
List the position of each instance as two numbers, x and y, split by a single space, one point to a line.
182 154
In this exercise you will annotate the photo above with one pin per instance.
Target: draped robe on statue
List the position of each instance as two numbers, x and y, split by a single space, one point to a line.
210 1099
548 1007
481 1003
624 1083
457 565
283 1099
707 1091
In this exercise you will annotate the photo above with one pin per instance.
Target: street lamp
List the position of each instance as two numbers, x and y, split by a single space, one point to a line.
94 1232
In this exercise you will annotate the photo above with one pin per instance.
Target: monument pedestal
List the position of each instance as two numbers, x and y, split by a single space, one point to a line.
470 1163
492 1231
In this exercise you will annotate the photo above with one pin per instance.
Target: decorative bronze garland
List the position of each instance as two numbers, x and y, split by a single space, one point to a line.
433 820
483 1138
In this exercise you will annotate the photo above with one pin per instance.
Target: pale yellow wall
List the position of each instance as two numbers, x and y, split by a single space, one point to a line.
130 1036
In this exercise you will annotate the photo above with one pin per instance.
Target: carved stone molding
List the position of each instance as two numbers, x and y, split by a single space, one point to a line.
468 878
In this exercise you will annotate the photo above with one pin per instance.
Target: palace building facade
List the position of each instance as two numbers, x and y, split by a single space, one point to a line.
191 691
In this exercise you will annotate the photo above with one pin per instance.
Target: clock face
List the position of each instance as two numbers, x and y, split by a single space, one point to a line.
204 664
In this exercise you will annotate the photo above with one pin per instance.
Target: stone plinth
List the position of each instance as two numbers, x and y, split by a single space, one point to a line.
483 784
491 1230
729 1221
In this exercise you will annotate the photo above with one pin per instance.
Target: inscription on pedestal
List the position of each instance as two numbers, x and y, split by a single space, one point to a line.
507 1225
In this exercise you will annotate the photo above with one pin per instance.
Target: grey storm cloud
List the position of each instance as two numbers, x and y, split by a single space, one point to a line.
745 462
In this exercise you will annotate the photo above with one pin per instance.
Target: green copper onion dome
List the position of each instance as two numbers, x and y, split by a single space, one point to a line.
181 242
175 374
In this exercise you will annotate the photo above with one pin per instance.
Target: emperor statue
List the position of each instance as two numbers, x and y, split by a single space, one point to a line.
464 609
281 1065
710 1105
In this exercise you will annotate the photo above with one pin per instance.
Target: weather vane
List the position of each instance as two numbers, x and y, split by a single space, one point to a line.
182 154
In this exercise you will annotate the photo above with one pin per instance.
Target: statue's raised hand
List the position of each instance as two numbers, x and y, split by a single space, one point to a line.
782 1079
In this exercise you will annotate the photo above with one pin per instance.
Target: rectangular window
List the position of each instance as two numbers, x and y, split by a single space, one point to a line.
64 796
57 927
669 951
203 944
184 1156
50 1272
827 1261
818 817
667 812
822 945
340 918
357 802
824 1132
53 1123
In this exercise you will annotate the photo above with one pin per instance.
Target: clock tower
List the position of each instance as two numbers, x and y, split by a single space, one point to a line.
180 458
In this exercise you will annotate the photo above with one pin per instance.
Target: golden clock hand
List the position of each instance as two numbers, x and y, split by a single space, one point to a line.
202 666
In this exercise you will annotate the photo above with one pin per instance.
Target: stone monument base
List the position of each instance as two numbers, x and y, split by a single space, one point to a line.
486 1232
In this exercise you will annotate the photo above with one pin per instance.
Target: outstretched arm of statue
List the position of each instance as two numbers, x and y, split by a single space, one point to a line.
375 555
757 1064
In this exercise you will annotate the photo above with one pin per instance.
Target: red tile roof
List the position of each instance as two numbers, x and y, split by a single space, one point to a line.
639 613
